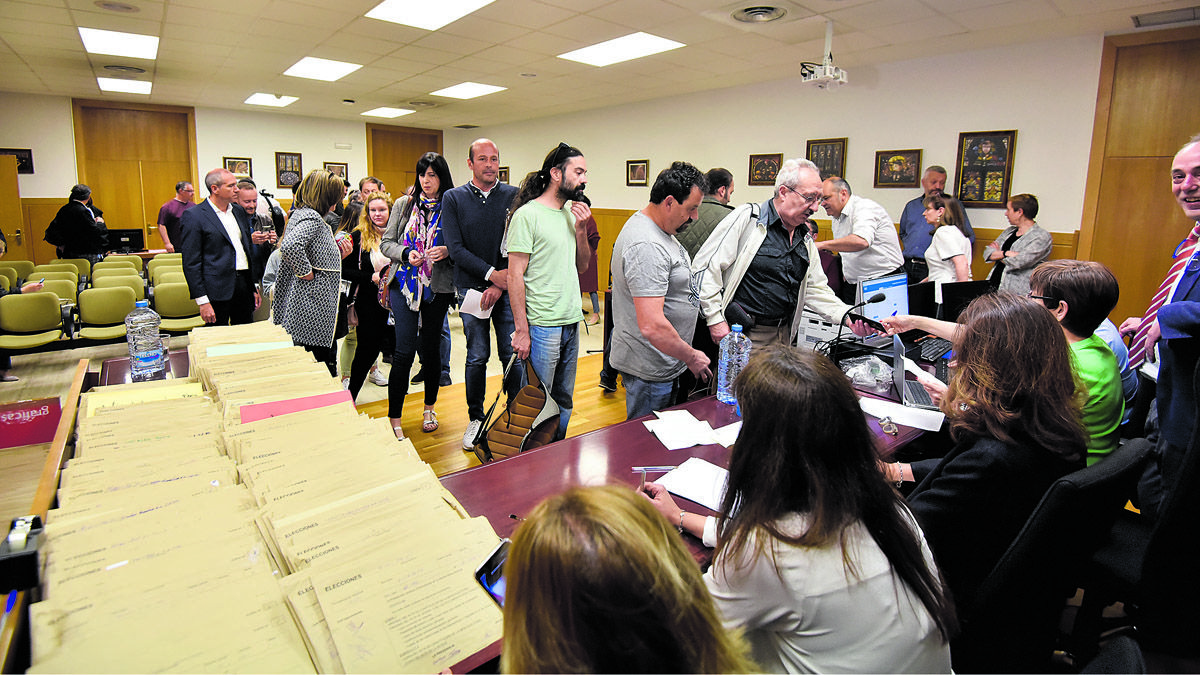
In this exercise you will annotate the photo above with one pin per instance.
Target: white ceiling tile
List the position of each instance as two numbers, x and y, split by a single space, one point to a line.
587 30
951 6
637 13
1009 14
15 12
879 13
528 13
936 27
484 30
545 43
384 30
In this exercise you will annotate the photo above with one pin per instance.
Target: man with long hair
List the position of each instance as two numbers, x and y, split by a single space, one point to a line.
547 249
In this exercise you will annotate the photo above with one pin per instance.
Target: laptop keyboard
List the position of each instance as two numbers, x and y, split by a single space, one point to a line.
941 370
933 348
915 394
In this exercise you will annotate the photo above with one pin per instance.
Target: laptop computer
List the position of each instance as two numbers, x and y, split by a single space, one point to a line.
897 298
956 296
910 392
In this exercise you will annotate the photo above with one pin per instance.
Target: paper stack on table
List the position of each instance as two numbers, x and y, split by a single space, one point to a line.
700 481
260 525
678 429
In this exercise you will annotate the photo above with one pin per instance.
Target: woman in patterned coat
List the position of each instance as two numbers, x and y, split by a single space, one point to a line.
310 271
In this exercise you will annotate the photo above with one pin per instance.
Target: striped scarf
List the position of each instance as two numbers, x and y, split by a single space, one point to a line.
423 232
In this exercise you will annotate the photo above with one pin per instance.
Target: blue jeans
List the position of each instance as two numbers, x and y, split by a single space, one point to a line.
643 397
554 353
479 350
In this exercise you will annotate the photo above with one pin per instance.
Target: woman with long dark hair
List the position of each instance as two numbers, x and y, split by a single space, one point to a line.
817 557
1014 414
421 288
949 252
600 583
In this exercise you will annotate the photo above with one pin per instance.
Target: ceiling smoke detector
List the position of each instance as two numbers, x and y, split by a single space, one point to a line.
758 14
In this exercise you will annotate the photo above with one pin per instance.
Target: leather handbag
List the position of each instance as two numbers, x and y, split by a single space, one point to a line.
385 280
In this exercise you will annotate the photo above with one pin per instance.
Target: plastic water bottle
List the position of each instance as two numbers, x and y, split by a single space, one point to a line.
146 358
735 353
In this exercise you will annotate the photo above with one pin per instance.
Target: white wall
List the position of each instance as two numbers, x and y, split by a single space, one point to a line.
235 133
42 123
1044 90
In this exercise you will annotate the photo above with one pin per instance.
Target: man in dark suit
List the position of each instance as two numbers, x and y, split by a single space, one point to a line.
219 258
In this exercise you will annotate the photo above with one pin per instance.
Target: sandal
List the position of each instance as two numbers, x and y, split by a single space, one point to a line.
399 432
430 424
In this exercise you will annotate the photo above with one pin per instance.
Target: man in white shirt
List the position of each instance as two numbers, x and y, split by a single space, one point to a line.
219 259
864 237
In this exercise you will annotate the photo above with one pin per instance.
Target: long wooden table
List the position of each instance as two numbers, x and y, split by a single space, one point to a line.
512 487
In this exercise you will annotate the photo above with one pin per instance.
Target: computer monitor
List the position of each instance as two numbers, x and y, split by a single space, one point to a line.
127 241
956 296
895 291
921 300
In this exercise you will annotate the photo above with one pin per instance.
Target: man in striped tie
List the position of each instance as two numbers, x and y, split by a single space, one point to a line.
1173 321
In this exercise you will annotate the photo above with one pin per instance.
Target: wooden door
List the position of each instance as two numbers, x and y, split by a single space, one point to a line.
131 156
1146 110
392 154
11 218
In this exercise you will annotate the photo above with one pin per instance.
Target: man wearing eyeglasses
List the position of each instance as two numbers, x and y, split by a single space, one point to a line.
864 237
760 268
1172 321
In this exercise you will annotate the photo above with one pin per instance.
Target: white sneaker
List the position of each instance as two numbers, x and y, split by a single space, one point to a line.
469 436
378 378
345 383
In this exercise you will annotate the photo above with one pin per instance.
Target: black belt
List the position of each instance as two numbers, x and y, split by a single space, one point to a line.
772 323
920 260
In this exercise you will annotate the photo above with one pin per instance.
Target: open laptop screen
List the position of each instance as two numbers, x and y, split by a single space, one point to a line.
895 291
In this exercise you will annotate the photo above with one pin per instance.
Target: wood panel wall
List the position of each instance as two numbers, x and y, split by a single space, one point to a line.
1145 111
392 154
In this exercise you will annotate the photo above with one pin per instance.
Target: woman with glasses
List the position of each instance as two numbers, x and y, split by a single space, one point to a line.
421 288
817 557
949 253
1021 247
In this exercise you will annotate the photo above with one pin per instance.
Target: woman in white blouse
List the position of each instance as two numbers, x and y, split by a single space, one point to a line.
949 253
817 557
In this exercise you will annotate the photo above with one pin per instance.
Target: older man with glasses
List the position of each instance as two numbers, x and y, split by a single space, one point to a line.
760 267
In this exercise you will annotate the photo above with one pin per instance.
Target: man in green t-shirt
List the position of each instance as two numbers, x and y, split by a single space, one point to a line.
1080 294
547 249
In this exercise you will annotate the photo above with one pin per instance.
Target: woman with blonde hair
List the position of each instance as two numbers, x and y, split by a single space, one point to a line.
361 268
305 299
598 582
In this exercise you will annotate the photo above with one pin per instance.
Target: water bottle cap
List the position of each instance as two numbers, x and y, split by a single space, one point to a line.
141 303
737 328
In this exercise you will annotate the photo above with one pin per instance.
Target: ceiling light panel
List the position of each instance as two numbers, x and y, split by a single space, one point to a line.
270 100
123 86
629 47
389 113
115 43
467 90
424 14
313 68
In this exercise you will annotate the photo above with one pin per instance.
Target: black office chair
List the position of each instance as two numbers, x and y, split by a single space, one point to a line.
1013 624
1121 654
1150 566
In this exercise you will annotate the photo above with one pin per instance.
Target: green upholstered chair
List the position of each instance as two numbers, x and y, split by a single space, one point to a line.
178 310
134 283
135 260
29 321
102 312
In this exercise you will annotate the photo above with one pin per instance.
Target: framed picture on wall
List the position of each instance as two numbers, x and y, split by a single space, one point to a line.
289 168
829 154
24 158
637 172
897 168
238 166
764 168
339 169
985 160
504 174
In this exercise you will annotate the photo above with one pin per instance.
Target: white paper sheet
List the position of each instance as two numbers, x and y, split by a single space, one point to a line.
700 481
929 420
471 305
678 429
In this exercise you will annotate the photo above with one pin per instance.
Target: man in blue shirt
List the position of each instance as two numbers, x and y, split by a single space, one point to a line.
915 233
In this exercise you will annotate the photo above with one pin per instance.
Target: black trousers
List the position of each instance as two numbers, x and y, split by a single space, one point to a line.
239 308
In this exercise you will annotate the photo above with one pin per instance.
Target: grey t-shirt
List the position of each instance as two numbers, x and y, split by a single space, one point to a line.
648 262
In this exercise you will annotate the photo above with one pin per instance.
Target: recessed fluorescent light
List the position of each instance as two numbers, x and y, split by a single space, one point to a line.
467 90
321 69
114 43
632 46
425 14
271 100
123 86
388 112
